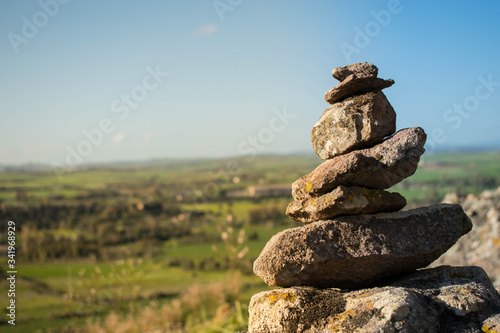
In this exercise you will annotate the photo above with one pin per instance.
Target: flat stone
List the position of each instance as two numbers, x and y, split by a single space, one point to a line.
357 122
442 299
357 251
379 167
345 200
341 73
356 84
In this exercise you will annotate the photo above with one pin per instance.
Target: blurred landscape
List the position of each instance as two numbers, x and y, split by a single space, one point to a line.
155 244
168 245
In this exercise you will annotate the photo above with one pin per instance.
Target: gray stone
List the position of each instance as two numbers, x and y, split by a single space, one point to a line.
380 167
357 122
357 251
443 299
344 200
341 73
481 247
356 84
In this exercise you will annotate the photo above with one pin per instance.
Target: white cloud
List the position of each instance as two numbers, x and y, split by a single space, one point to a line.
206 30
119 138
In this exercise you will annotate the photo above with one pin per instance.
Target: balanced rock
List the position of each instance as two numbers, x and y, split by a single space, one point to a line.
442 299
341 73
357 122
357 251
345 200
380 167
356 84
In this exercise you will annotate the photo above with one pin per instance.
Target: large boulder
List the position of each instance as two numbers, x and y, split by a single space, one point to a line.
379 167
443 299
481 247
345 200
357 251
357 122
356 84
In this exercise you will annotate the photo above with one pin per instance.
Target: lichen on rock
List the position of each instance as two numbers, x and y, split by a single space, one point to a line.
344 245
442 299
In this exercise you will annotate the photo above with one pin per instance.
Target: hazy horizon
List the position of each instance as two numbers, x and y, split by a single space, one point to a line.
89 163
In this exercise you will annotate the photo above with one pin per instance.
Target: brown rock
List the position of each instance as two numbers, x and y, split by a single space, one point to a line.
378 167
357 251
443 299
345 201
357 122
356 84
341 73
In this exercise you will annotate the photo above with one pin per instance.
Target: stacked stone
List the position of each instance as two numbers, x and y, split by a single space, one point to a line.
355 235
353 179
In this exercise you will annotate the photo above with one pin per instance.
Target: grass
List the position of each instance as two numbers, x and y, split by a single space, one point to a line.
54 294
59 278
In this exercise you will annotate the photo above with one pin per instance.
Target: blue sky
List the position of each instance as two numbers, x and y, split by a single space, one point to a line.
232 67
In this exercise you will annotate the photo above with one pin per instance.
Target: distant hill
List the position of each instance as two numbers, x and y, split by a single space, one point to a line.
167 163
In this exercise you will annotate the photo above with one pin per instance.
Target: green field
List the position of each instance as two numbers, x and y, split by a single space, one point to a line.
126 237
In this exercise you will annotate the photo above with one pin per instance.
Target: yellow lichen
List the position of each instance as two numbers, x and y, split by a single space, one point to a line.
271 299
487 329
462 291
308 187
496 241
341 318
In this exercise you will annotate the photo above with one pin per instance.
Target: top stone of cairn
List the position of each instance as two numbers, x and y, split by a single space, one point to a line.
341 73
355 79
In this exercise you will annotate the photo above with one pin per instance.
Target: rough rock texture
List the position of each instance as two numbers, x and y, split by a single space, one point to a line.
356 84
341 73
356 251
344 200
378 167
443 299
357 122
480 247
492 324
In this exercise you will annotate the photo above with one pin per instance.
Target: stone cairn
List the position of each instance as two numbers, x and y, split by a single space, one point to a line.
351 267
